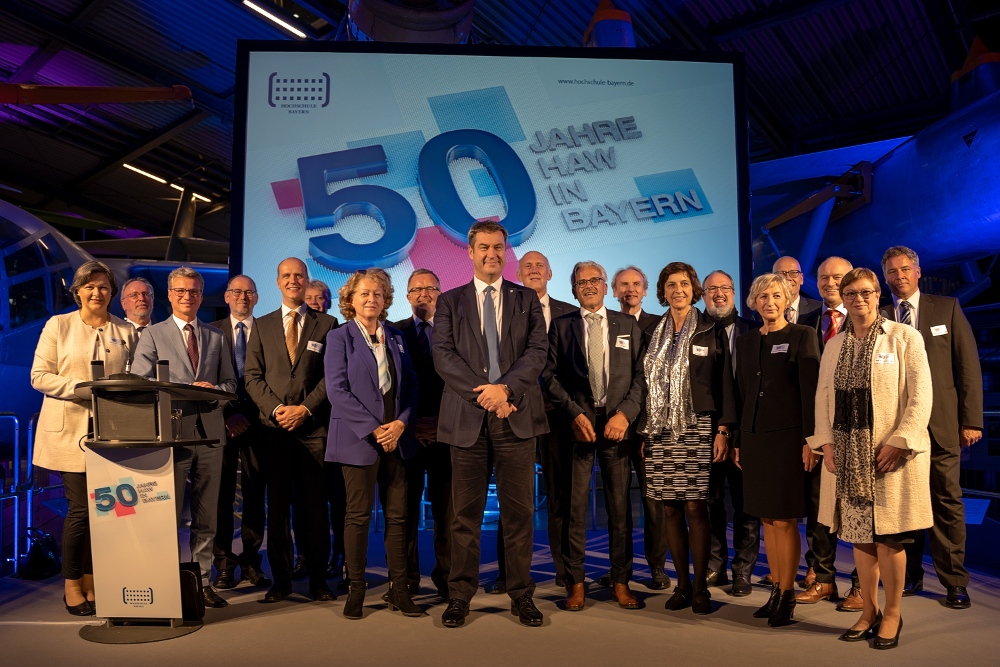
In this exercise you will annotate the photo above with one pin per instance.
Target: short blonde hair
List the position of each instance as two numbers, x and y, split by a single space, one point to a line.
762 283
860 273
351 286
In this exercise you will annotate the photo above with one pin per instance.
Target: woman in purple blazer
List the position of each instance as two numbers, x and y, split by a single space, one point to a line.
373 397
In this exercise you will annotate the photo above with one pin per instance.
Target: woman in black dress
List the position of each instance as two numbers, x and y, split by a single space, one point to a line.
777 367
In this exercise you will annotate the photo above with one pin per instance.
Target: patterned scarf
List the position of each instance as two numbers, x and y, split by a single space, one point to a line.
668 375
853 447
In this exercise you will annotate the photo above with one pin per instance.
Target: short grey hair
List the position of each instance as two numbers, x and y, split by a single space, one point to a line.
136 280
184 272
242 275
850 267
721 273
580 265
320 285
897 251
763 282
423 272
631 267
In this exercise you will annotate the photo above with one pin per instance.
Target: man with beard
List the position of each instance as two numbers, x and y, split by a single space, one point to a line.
720 305
137 301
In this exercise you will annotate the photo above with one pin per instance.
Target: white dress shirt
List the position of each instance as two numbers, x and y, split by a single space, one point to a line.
914 300
248 323
286 316
181 324
793 307
136 326
497 302
825 321
546 311
603 312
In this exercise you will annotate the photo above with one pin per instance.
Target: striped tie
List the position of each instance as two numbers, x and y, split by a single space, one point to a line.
904 312
595 356
831 330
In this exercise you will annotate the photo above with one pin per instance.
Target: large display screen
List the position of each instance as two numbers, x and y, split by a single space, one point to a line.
358 155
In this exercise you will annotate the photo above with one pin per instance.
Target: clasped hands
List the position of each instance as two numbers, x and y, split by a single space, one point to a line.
614 430
493 398
290 417
886 458
387 435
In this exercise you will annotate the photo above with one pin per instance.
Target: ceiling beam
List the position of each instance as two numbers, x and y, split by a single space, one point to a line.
165 134
776 14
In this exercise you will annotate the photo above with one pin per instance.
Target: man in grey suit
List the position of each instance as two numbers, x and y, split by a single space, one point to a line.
801 309
199 356
956 417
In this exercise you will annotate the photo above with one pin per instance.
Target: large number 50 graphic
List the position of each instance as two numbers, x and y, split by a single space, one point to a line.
394 212
106 501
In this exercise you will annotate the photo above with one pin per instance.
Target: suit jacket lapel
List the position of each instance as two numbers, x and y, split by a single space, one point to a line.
361 348
889 312
924 316
471 308
580 331
203 339
614 327
509 295
177 338
308 324
392 347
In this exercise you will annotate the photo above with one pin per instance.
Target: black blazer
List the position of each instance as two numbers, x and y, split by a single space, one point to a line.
431 384
272 380
567 376
777 391
459 350
809 311
711 372
244 405
648 322
956 377
559 308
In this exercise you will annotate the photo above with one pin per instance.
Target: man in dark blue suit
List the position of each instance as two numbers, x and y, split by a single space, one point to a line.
720 305
490 347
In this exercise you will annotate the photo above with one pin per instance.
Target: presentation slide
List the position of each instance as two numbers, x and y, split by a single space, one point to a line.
355 160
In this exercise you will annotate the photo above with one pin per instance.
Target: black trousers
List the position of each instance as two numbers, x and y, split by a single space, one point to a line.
77 559
472 468
746 528
654 524
295 474
616 474
243 451
337 503
821 542
360 482
948 531
432 462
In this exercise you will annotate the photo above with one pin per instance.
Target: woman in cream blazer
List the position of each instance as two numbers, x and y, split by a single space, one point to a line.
68 344
896 459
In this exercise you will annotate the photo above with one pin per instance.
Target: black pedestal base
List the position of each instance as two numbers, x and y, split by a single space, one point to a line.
121 631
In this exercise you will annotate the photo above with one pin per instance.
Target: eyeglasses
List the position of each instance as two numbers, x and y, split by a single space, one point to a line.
248 293
180 291
790 274
593 282
138 295
417 290
864 294
725 289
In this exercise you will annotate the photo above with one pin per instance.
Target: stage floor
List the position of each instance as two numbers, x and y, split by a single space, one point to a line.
36 630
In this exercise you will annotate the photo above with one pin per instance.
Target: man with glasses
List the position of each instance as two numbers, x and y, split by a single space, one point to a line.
802 309
433 460
242 450
720 305
199 356
137 302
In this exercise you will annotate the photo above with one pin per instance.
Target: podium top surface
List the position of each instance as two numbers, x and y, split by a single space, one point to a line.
177 390
146 444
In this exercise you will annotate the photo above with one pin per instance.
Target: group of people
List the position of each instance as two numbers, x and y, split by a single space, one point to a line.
781 410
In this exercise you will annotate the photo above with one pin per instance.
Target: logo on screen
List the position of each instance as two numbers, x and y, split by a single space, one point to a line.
298 91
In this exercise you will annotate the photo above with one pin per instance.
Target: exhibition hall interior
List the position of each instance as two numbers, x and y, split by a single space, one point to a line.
679 323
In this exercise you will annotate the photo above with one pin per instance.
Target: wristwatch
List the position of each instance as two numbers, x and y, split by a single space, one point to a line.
510 393
726 434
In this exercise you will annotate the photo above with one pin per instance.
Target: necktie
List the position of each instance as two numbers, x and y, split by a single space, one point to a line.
139 331
192 347
492 336
292 335
383 365
904 313
831 330
790 315
240 349
424 341
595 356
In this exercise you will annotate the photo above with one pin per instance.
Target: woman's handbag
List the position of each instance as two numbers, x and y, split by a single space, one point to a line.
42 560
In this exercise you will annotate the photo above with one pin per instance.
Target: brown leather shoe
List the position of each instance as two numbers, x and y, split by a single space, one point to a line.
623 596
853 601
818 592
809 580
575 597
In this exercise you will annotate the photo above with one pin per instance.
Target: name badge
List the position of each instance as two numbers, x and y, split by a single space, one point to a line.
622 342
779 349
699 351
314 346
117 341
939 330
400 346
885 358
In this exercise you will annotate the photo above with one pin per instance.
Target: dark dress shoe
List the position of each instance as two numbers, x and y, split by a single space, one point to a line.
604 580
624 597
701 603
772 602
679 600
885 643
344 583
320 592
741 586
560 581
399 600
575 598
454 615
335 568
958 598
716 579
861 635
766 580
912 586
660 581
526 611
277 593
254 576
498 587
355 605
225 580
212 598
85 608
299 572
783 611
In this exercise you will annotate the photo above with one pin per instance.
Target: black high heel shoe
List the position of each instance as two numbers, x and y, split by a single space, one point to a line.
82 609
884 643
861 635
679 600
783 611
772 602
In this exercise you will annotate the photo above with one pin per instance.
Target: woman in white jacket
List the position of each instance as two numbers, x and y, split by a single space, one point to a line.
873 403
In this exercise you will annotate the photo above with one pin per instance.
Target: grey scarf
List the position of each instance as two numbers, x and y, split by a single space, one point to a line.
668 375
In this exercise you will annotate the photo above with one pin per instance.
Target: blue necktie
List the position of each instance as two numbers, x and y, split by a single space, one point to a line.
240 350
490 331
904 313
